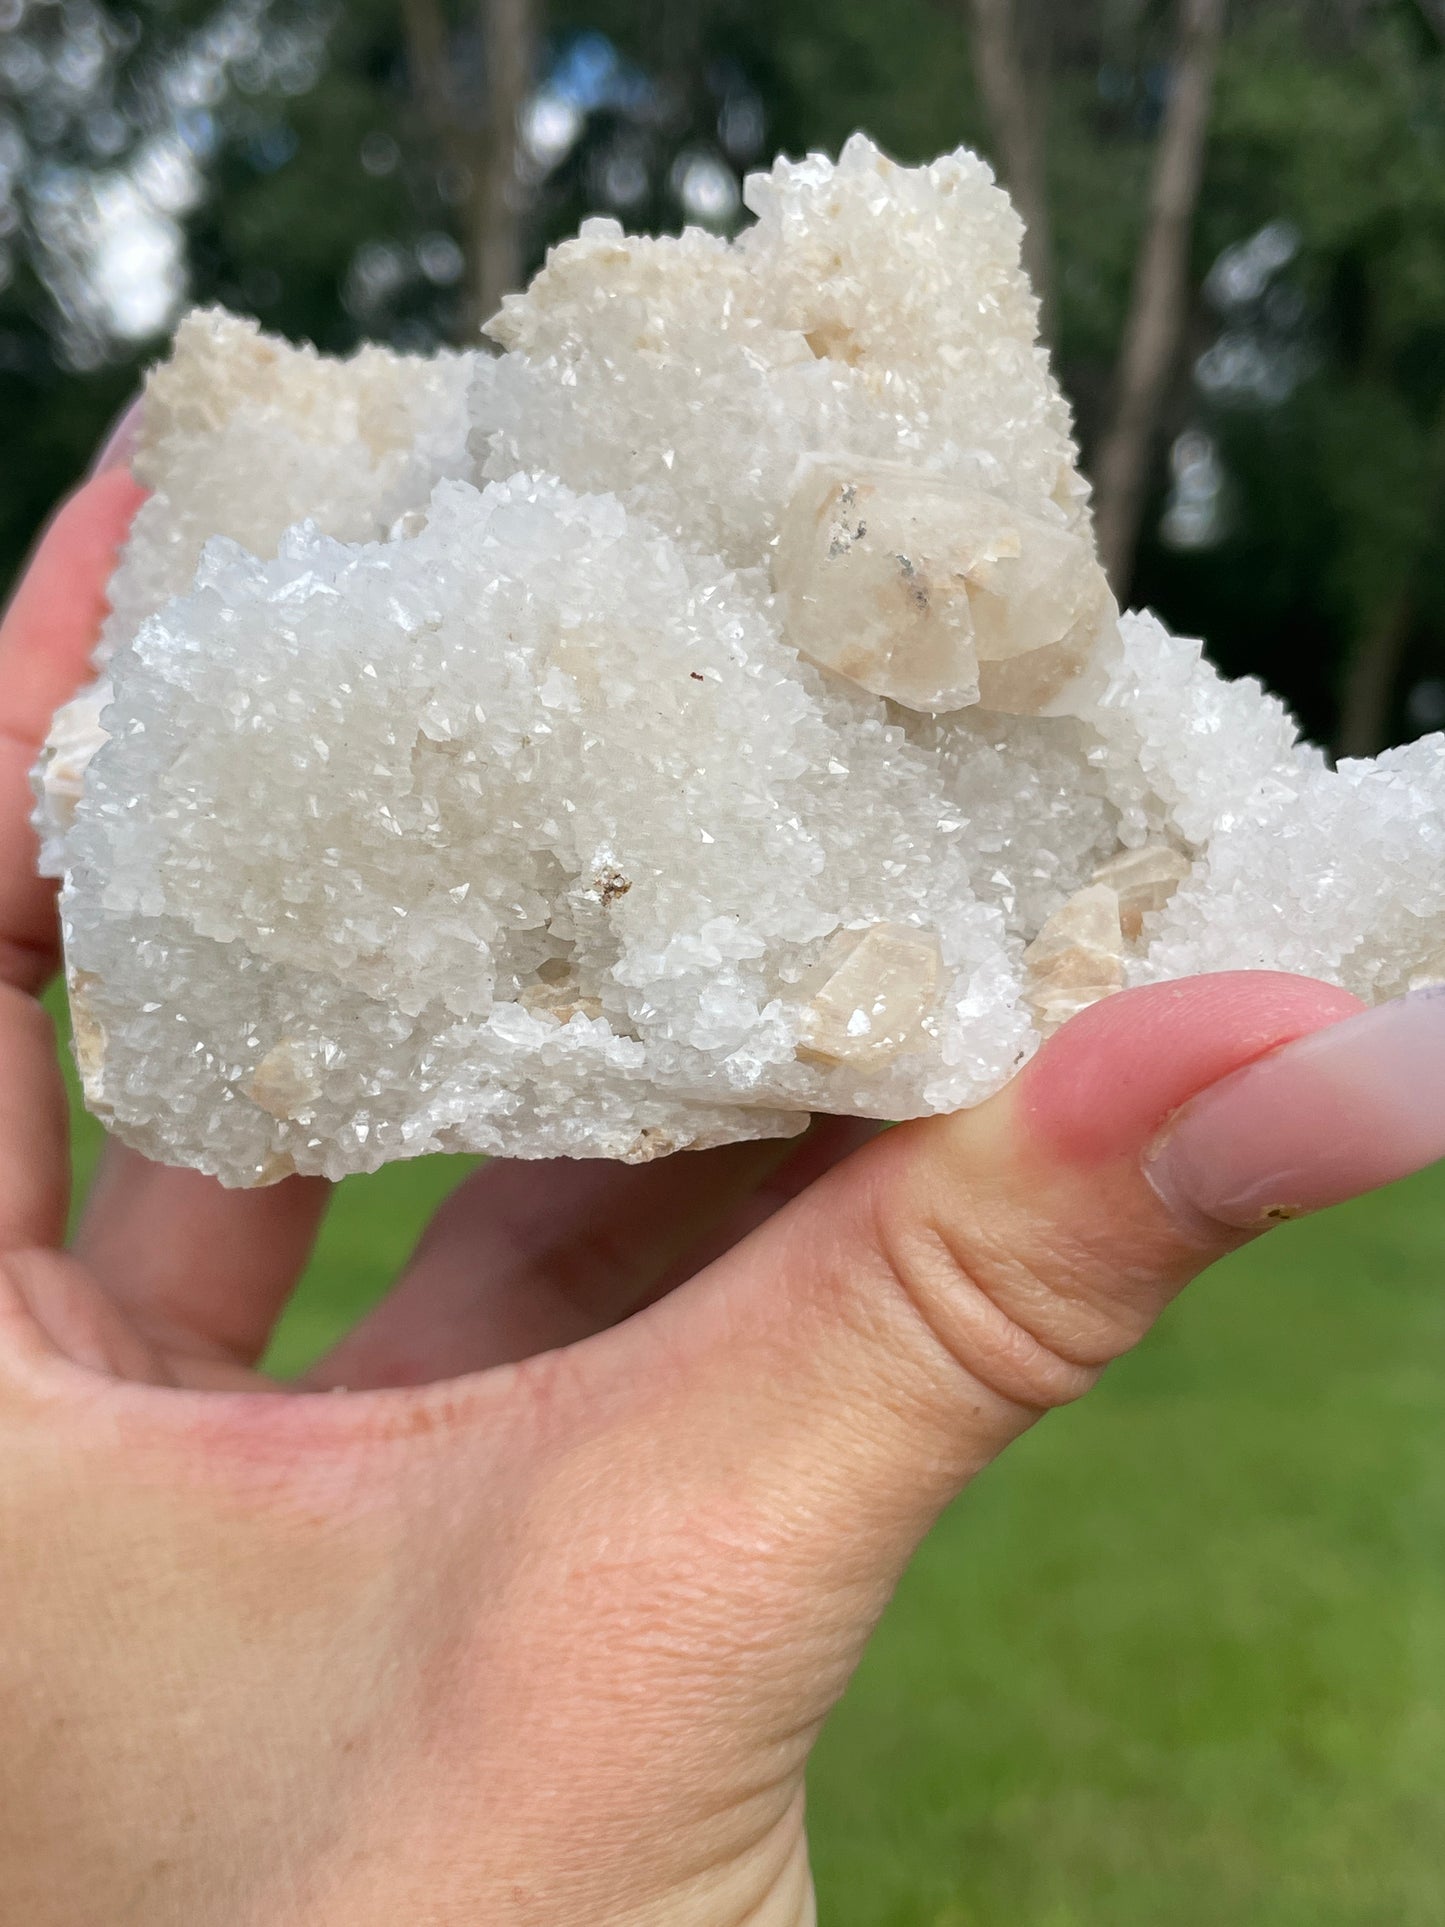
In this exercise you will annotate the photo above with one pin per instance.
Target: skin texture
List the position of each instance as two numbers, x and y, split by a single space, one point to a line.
538 1621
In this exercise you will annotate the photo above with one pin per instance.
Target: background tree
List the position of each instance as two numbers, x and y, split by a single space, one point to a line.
1014 101
290 160
471 89
1159 306
1325 383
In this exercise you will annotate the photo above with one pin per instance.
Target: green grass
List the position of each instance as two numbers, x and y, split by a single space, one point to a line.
1179 1660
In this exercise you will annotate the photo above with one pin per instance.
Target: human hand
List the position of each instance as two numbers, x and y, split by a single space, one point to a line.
537 1623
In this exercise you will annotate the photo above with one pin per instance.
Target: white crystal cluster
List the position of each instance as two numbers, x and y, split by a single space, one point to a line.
707 712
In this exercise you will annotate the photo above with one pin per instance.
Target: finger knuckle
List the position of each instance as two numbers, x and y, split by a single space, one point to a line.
999 1316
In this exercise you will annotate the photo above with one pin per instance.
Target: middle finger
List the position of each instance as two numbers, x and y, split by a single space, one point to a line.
202 1269
527 1257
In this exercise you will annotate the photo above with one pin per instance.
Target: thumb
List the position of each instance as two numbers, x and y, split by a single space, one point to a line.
854 1363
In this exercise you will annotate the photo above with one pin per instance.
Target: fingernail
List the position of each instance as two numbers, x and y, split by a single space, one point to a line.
120 443
1338 1113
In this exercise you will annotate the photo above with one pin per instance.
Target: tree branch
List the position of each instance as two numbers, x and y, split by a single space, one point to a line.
478 139
1372 674
431 75
1368 696
1160 299
1016 122
509 43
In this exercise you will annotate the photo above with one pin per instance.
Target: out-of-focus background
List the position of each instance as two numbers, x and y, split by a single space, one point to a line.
1237 211
1182 1657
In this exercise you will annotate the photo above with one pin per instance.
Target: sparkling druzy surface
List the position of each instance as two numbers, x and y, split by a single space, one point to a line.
706 712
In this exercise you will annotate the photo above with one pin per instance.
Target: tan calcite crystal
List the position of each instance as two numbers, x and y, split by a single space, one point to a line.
870 996
287 1081
1145 881
1080 954
935 594
75 736
88 1037
558 994
1429 973
650 1145
1077 958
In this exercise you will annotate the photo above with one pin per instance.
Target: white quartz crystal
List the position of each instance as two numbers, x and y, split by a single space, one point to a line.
707 712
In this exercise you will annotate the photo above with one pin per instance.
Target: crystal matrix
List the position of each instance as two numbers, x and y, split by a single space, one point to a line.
706 712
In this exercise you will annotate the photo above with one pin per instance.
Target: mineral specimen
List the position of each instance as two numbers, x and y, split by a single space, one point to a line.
1077 958
706 712
932 593
872 992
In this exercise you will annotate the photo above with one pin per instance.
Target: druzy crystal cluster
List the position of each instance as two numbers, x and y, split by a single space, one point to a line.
705 712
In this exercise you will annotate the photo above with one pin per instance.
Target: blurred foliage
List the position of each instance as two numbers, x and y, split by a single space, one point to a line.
1301 479
1337 486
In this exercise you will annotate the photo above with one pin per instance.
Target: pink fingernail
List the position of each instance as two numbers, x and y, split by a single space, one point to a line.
119 445
1338 1113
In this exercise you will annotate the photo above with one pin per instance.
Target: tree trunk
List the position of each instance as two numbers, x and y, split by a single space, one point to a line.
1159 304
1367 699
478 138
495 251
1017 123
1368 696
430 73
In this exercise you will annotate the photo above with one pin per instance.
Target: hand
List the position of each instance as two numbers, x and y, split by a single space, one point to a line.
538 1622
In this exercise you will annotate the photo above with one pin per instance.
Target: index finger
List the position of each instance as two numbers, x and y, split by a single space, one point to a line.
46 638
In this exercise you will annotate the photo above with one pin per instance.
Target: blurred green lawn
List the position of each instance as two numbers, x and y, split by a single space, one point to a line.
1179 1661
